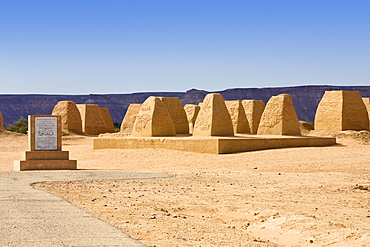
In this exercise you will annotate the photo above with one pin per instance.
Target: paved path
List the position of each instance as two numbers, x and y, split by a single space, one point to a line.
30 217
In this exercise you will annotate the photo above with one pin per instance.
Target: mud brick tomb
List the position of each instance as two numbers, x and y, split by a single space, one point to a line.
341 110
213 129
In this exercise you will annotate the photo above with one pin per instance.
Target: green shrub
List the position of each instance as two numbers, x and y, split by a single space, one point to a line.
20 126
117 126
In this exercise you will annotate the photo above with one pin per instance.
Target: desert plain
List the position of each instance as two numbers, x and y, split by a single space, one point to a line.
309 196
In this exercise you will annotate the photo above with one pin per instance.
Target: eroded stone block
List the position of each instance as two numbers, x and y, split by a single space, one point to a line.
279 117
70 116
367 105
107 119
191 113
341 110
129 119
305 127
153 119
253 111
1 122
213 118
238 117
177 114
92 120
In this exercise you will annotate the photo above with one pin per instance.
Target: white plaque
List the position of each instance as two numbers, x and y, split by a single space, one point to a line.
46 135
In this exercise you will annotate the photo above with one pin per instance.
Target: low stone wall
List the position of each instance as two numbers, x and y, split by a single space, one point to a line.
213 145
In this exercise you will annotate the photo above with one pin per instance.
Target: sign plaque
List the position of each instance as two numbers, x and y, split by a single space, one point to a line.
46 135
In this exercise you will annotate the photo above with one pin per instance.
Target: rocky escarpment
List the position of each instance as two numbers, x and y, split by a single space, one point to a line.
305 100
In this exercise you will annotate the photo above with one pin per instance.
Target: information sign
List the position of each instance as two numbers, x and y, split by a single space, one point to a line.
46 135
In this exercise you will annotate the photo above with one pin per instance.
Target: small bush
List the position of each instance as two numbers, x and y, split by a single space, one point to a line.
117 126
20 126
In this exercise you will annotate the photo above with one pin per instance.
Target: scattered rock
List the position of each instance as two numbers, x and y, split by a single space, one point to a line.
362 187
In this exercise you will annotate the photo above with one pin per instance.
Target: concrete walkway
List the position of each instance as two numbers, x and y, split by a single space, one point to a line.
30 217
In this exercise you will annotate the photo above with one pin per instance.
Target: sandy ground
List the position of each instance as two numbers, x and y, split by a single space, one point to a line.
314 196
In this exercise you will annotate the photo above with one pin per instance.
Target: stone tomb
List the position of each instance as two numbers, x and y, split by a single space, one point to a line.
191 113
253 111
341 110
93 122
177 113
45 146
154 128
213 118
279 117
238 118
153 119
107 119
71 118
367 105
129 119
1 122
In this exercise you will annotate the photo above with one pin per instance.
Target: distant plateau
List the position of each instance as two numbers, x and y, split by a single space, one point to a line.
305 100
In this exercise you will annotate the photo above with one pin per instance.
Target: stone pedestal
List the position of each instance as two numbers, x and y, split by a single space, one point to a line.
45 143
45 160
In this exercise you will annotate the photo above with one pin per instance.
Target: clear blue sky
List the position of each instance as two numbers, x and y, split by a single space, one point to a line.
118 46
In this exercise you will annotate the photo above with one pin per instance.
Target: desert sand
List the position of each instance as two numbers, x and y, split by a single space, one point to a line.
312 196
